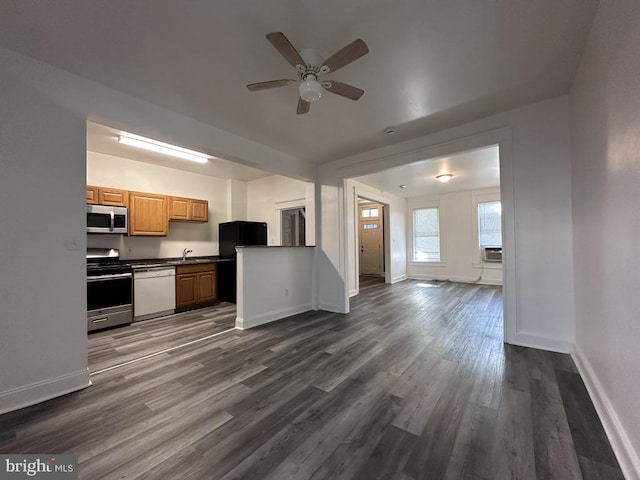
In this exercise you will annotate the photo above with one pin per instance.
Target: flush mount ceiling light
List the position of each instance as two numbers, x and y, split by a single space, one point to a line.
137 141
444 177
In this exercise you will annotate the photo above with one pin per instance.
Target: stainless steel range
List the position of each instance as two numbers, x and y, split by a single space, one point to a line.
109 289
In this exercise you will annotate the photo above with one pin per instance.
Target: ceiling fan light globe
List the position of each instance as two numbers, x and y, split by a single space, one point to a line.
310 90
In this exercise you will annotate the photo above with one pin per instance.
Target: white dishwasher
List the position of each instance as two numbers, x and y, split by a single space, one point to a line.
154 292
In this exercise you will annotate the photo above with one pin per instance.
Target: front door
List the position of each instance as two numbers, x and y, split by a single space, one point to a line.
371 239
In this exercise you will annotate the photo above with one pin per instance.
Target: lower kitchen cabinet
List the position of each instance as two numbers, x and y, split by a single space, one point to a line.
196 286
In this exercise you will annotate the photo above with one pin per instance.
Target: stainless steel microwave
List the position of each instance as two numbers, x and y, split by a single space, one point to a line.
106 219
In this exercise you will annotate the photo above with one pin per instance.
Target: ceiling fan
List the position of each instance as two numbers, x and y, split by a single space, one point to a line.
310 68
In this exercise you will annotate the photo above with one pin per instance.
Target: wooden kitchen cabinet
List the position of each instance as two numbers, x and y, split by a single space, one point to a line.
196 286
188 209
207 286
92 194
113 196
199 210
107 196
148 214
186 290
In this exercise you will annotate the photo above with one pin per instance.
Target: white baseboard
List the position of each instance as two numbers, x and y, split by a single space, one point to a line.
459 279
272 316
399 278
33 393
353 292
330 307
628 458
542 343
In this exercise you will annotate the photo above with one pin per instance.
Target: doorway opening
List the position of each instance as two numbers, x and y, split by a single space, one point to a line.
472 217
293 226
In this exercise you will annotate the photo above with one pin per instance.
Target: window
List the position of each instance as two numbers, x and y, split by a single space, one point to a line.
369 212
490 224
426 235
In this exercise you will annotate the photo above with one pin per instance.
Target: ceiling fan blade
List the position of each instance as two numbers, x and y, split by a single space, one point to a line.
283 45
344 90
303 106
270 84
348 54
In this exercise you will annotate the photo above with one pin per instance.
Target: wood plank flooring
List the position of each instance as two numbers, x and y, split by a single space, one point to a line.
415 383
114 346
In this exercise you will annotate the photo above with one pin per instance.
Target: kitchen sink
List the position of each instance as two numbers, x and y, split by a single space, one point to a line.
190 261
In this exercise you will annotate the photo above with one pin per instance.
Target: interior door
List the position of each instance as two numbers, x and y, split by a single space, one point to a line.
293 227
371 240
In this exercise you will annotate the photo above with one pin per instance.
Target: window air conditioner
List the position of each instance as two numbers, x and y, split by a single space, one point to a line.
492 254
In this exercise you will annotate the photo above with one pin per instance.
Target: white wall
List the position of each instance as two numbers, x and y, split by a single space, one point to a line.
273 283
459 251
395 233
43 326
236 200
268 196
535 161
202 238
606 222
43 113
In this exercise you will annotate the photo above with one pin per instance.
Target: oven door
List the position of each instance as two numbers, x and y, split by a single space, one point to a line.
109 300
105 219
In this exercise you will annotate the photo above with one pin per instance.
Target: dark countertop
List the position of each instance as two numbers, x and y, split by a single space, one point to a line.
174 262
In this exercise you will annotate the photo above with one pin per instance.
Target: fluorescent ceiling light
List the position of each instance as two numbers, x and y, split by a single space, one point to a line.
161 147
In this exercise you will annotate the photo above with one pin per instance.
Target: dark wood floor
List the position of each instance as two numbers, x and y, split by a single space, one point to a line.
122 344
415 383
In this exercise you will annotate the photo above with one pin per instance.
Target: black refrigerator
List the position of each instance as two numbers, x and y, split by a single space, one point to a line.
230 236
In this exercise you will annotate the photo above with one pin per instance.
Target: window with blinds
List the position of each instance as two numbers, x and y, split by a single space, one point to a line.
426 235
490 224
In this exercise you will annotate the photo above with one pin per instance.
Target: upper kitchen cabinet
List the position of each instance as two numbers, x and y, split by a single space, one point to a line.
113 197
188 209
107 196
92 194
148 214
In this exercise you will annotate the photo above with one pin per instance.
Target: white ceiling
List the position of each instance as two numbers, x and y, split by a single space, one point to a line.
471 170
104 139
432 63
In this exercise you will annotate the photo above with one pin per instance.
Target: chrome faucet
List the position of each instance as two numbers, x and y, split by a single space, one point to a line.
185 252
